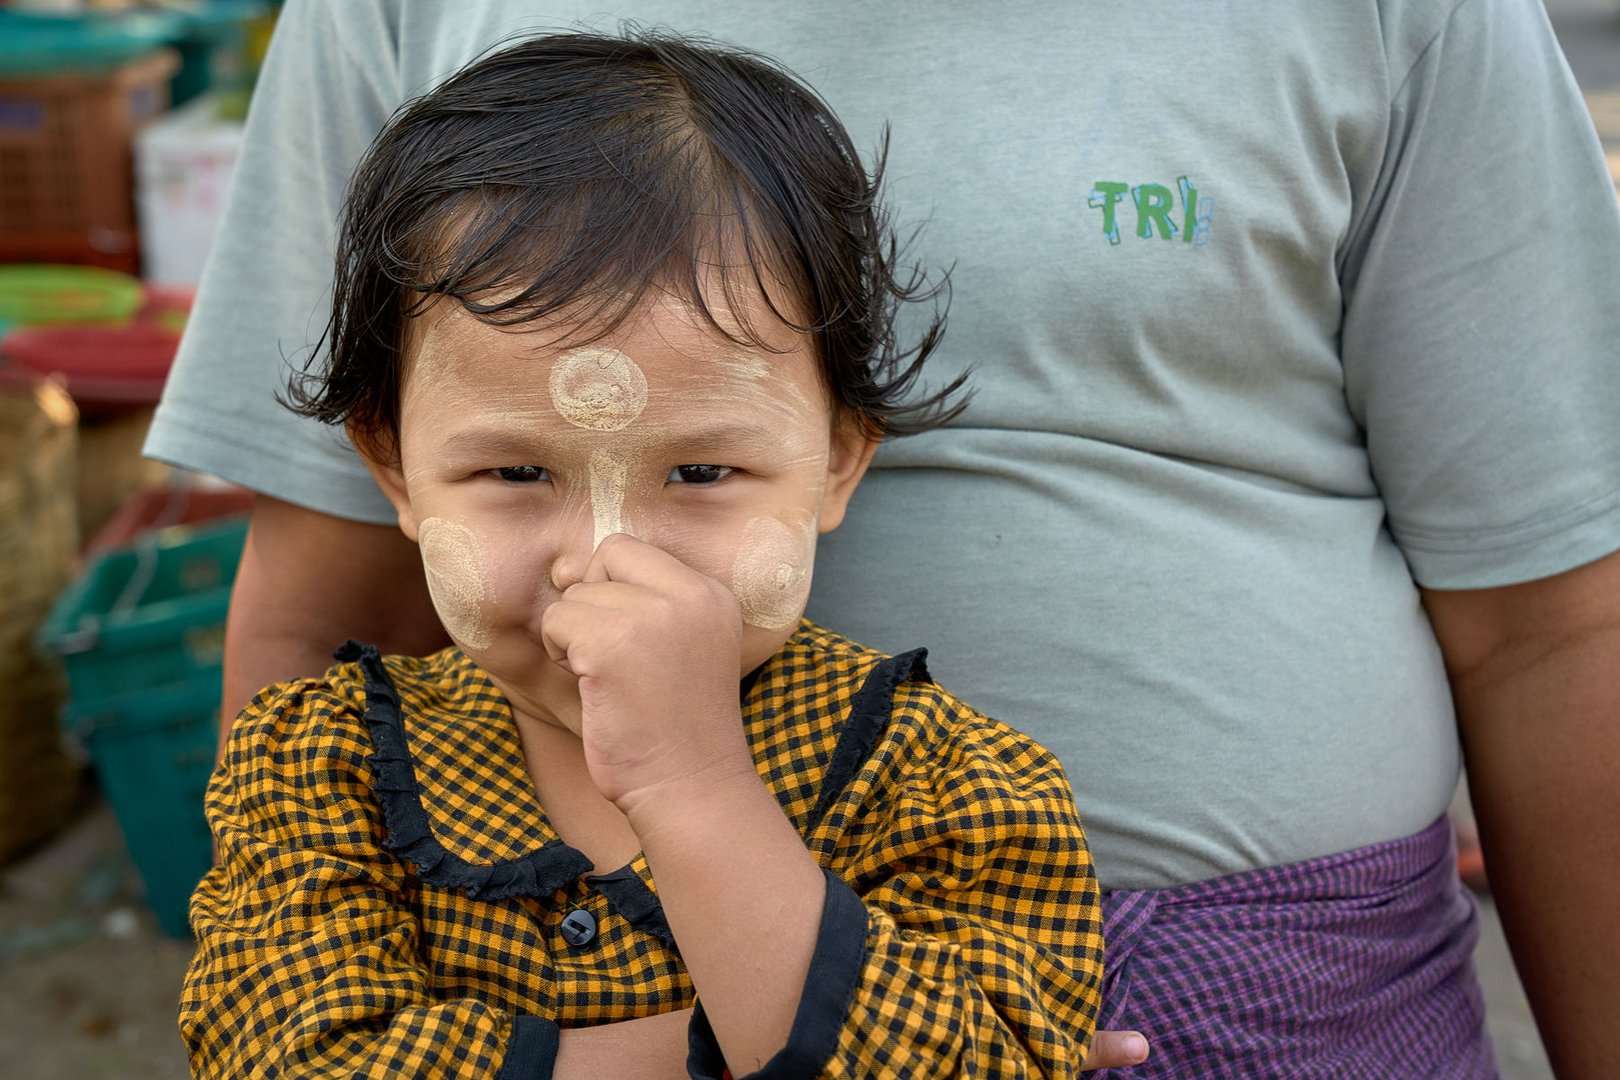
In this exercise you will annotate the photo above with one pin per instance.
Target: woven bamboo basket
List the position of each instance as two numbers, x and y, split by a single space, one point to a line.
39 536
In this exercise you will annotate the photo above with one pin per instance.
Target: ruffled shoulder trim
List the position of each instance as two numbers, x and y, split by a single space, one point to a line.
540 873
869 714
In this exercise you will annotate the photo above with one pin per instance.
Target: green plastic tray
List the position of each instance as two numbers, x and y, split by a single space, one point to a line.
45 44
48 293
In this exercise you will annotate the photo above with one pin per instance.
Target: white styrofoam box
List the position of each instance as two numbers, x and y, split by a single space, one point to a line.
183 165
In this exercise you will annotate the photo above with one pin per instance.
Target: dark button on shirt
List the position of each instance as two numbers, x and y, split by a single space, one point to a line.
579 927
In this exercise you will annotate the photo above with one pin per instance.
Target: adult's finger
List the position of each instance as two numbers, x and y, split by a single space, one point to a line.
1115 1049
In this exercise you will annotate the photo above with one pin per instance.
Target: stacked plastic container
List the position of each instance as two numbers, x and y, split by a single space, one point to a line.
140 631
73 95
141 636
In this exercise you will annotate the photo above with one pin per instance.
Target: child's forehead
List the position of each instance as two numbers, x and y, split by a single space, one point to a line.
665 365
666 336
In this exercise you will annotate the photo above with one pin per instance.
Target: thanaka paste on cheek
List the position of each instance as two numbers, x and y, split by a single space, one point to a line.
771 574
456 580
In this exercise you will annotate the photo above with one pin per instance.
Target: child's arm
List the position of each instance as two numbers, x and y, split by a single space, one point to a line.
970 941
655 645
308 959
967 940
309 954
974 943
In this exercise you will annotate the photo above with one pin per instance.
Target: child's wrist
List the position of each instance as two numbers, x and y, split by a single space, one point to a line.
695 801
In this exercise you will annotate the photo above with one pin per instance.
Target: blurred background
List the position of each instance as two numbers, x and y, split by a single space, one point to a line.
119 124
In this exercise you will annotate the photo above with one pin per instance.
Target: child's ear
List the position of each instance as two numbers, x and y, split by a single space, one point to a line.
385 469
853 445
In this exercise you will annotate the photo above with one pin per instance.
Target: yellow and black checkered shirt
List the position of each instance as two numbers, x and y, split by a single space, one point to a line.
390 899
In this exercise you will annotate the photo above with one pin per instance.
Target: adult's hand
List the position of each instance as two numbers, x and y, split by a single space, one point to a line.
1115 1050
1535 672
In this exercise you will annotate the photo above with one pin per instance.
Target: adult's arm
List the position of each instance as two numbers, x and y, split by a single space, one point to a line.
656 1046
1535 670
652 1047
1479 348
309 581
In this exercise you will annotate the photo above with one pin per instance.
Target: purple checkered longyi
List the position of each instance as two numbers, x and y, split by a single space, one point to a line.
1352 965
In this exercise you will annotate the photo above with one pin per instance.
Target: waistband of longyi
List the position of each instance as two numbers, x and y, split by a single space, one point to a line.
1355 964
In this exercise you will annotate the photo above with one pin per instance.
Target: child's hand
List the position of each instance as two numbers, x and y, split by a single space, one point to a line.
656 647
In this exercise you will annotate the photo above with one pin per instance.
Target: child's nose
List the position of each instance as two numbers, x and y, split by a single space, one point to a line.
572 558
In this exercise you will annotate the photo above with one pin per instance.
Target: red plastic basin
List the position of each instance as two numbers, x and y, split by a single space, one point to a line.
105 368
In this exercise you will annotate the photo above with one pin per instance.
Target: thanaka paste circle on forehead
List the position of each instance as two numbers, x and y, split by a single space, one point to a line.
598 388
455 579
771 574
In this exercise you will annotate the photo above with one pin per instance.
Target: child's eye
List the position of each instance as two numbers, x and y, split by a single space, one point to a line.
521 474
698 474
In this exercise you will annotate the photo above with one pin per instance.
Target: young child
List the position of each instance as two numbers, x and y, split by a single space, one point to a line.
612 328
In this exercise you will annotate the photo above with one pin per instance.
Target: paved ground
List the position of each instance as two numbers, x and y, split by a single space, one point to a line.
87 985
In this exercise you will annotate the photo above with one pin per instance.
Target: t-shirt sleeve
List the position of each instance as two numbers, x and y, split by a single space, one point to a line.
962 932
1481 336
308 955
327 86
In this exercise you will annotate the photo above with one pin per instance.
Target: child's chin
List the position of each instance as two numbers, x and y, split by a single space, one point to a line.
551 699
760 643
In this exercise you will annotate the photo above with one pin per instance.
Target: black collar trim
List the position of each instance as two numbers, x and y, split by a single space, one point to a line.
633 901
869 714
540 873
551 867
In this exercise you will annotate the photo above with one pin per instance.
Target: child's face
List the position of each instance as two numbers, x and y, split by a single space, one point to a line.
518 454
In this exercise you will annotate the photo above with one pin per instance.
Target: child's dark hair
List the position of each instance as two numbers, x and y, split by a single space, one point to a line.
567 175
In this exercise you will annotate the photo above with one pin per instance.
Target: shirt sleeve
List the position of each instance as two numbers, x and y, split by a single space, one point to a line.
1480 326
962 932
328 84
308 960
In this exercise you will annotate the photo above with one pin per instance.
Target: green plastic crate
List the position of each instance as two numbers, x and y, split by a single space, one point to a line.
152 758
146 616
141 634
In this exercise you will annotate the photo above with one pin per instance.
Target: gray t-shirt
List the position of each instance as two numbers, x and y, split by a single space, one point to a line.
1272 307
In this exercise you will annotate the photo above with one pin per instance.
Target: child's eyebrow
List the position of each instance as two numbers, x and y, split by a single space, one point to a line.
719 436
490 439
725 434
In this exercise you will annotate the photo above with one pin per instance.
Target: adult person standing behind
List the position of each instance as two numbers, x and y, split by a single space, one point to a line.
1294 455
